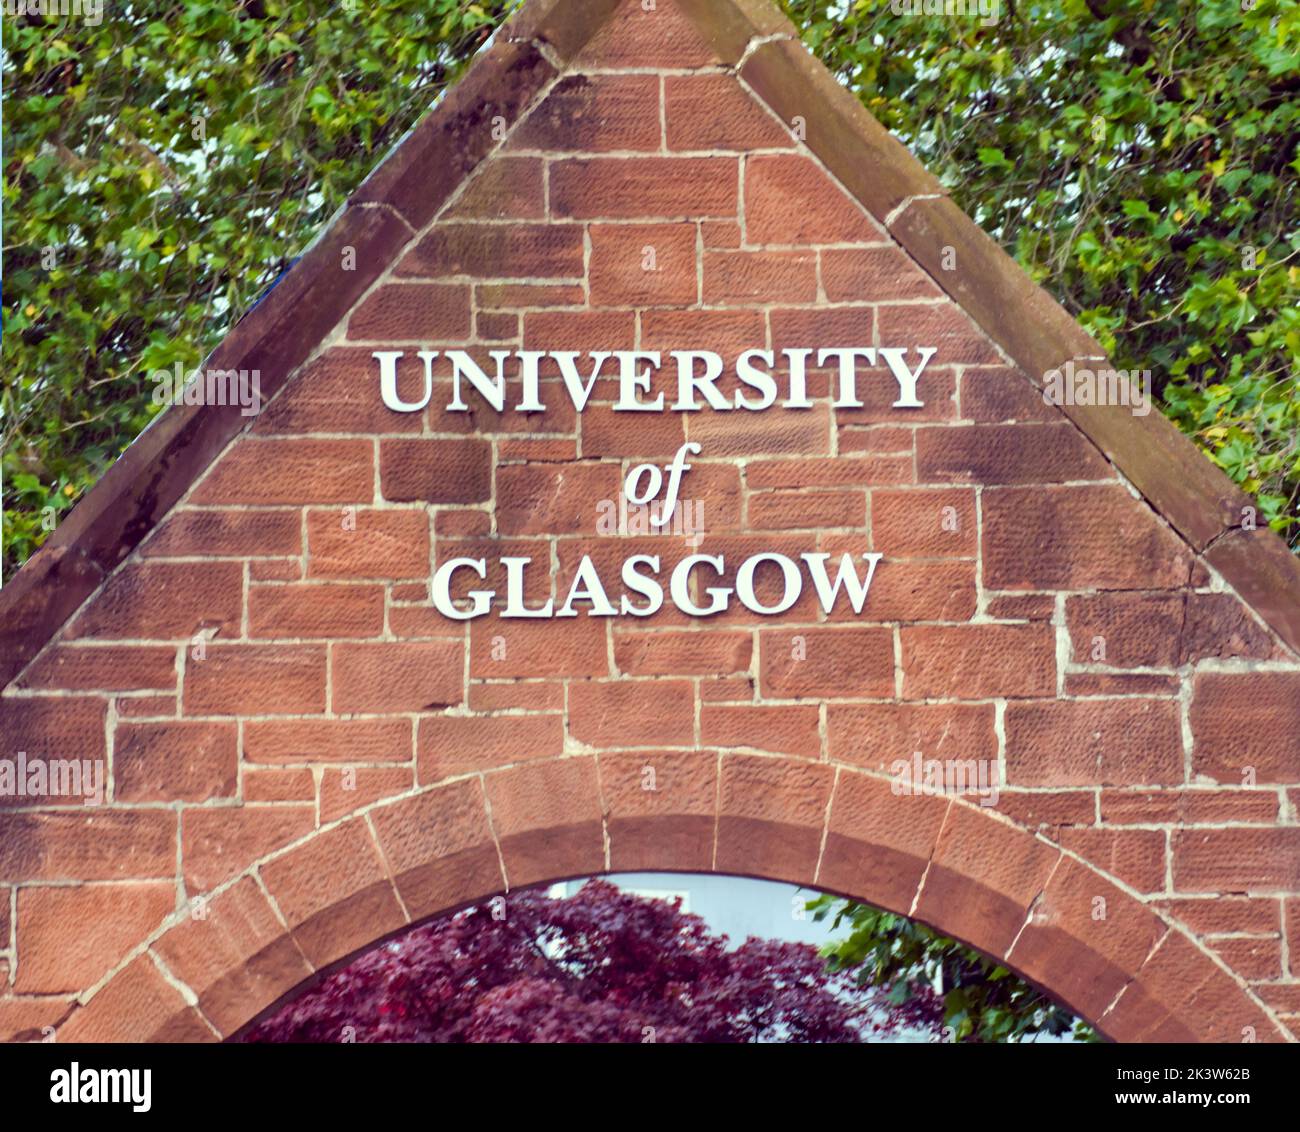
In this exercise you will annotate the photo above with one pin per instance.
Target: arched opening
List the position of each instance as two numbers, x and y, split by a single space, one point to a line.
969 872
665 957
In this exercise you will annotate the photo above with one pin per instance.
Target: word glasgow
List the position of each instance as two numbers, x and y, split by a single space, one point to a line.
639 575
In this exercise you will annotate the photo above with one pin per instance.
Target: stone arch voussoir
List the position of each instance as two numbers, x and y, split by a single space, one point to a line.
967 872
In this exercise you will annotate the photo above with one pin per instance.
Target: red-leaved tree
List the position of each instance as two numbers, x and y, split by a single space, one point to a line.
600 966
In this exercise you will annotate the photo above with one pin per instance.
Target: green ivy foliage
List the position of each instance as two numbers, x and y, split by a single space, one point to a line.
1140 160
162 168
982 1000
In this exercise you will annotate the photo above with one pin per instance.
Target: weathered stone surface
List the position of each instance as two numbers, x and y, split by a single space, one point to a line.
283 713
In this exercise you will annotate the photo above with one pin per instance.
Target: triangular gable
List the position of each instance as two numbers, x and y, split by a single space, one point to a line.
428 167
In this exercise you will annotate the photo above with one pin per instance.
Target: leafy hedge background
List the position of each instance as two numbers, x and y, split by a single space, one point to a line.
164 167
161 170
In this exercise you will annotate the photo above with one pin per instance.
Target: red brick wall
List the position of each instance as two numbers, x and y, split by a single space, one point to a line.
304 755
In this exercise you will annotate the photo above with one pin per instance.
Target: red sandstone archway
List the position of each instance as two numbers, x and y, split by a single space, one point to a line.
974 875
200 626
